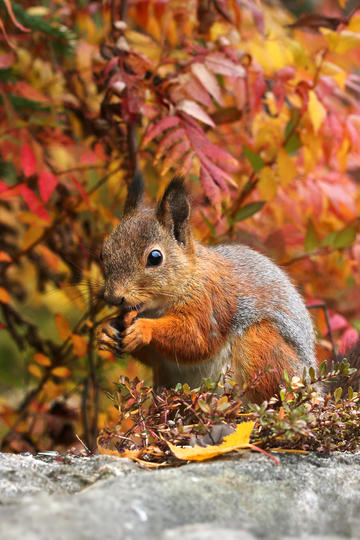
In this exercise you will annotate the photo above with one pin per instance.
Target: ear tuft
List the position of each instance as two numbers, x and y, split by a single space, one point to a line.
174 210
135 193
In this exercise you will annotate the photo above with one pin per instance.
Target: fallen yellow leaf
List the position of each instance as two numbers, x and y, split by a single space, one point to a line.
239 439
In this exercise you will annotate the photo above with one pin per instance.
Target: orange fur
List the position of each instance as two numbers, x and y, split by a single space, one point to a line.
260 347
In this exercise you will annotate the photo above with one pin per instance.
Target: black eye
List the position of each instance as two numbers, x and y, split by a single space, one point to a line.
154 258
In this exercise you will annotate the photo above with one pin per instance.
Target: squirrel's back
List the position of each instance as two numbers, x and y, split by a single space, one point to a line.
265 292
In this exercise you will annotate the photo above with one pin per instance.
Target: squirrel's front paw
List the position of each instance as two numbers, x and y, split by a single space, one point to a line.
109 337
137 335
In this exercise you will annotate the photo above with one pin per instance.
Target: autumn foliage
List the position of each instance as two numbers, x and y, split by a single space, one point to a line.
258 109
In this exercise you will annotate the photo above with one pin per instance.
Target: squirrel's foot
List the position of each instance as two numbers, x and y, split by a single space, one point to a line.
138 334
109 337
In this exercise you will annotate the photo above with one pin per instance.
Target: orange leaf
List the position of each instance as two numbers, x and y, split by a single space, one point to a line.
239 439
35 370
61 371
42 359
4 296
62 326
5 257
79 345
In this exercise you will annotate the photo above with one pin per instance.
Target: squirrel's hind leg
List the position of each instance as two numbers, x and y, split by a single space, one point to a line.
260 356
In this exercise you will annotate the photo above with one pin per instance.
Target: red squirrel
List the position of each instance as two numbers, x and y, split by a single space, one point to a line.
189 310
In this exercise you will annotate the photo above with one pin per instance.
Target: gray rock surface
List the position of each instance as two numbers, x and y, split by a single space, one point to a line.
238 498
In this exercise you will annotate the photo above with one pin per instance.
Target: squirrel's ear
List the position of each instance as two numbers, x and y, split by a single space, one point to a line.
173 211
135 192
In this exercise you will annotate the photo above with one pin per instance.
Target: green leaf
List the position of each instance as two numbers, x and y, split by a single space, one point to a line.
204 406
340 239
249 210
7 75
19 102
337 394
323 368
256 161
350 392
311 238
312 374
345 238
293 144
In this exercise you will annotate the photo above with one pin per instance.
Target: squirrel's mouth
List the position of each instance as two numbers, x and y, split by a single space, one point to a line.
136 307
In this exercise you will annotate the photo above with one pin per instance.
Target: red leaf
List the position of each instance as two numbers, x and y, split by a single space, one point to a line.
175 153
212 191
170 138
338 322
28 160
47 183
80 189
6 60
33 202
217 154
155 130
196 91
3 187
349 338
219 63
258 90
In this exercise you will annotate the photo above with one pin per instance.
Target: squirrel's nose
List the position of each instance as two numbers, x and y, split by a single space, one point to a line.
113 301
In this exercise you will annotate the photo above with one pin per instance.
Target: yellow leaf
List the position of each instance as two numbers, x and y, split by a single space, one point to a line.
286 167
35 370
4 296
354 25
341 42
42 359
267 184
343 154
76 296
62 326
153 28
239 439
79 345
61 371
32 234
317 111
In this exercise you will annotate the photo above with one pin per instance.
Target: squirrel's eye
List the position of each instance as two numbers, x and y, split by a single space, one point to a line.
155 258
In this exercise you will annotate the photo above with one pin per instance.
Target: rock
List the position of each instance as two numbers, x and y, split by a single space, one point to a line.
237 498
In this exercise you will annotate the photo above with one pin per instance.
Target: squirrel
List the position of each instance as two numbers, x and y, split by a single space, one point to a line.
190 311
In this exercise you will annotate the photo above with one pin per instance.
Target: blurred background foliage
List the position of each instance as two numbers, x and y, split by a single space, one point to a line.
256 103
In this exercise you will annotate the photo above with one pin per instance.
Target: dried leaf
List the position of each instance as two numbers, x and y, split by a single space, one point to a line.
238 440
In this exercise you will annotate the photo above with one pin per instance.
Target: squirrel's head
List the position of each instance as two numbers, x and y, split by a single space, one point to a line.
148 257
